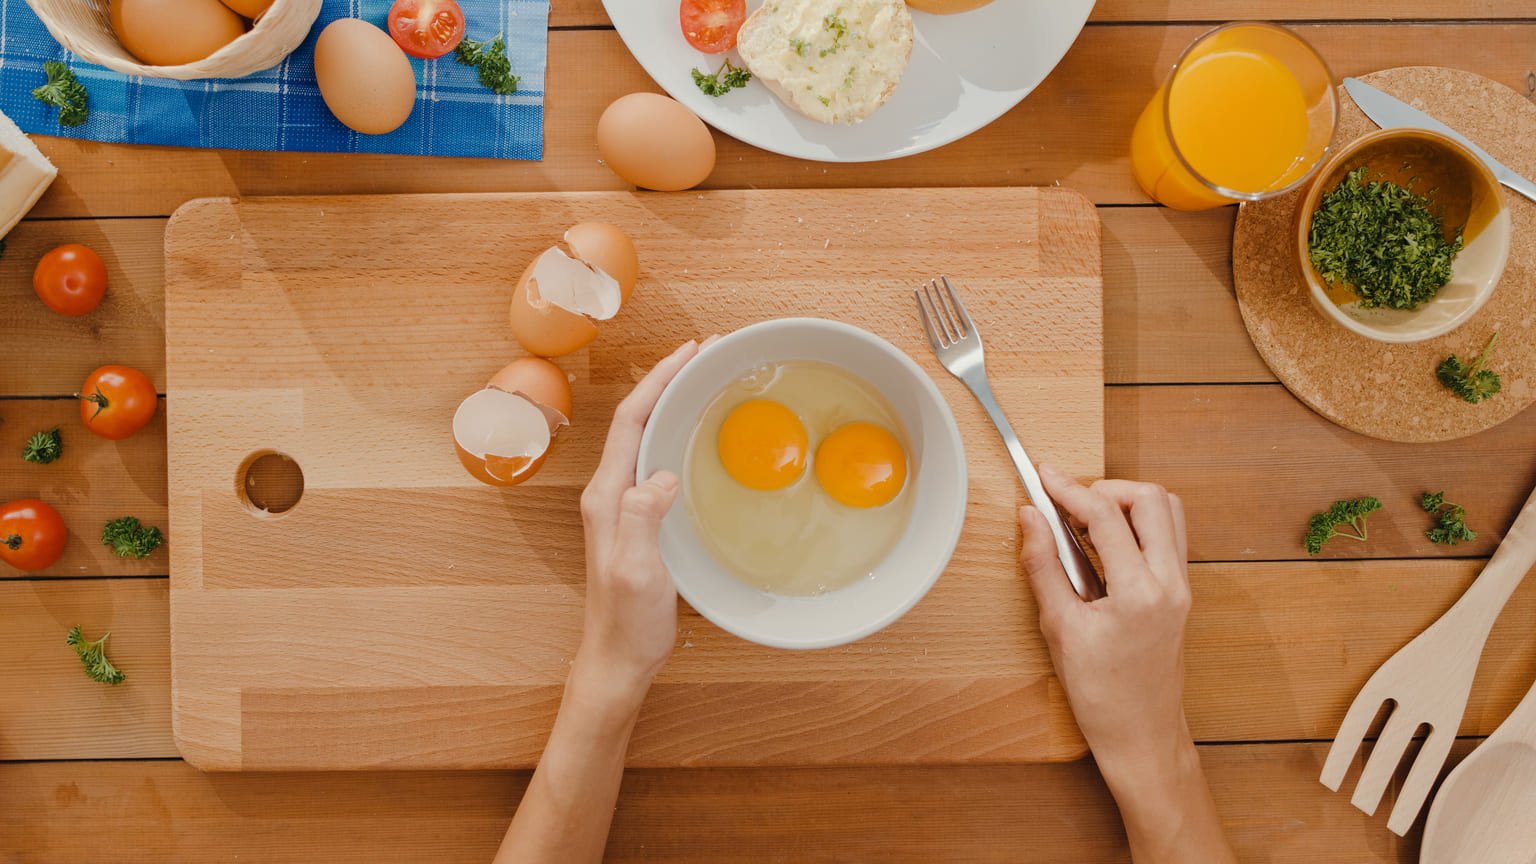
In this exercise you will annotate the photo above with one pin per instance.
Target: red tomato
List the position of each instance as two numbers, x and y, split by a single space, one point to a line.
426 28
117 401
711 25
70 279
31 535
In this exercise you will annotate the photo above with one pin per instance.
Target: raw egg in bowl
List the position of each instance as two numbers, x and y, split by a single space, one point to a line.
823 482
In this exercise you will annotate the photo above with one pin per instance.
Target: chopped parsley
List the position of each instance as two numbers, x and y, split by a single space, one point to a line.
1381 240
724 80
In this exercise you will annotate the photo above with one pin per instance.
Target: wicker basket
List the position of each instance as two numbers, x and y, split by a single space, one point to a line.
82 26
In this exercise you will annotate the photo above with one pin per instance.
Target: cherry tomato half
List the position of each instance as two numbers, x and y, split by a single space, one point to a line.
31 535
70 279
426 28
117 401
710 25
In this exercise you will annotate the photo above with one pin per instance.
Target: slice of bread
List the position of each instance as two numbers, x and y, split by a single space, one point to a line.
25 174
835 61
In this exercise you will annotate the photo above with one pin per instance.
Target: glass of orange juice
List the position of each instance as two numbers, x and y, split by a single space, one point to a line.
1246 113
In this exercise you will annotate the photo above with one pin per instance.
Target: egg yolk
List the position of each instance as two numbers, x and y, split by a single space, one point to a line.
861 465
763 445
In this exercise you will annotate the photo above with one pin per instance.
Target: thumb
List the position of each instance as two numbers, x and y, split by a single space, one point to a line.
1053 592
641 509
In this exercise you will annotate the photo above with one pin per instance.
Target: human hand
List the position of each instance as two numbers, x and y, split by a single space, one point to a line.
631 608
1121 658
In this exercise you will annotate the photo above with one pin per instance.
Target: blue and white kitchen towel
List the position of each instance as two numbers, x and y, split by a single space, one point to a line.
281 108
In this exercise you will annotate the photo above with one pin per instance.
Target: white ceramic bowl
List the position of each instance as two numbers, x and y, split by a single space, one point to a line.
938 484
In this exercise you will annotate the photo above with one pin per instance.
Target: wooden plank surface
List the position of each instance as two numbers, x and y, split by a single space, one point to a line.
1169 315
1276 652
49 709
342 355
1168 321
92 483
1072 130
166 812
1202 441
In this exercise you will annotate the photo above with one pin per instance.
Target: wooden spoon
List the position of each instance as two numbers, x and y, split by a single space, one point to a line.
1486 810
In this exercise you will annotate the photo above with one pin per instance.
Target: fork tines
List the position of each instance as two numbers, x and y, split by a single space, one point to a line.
944 316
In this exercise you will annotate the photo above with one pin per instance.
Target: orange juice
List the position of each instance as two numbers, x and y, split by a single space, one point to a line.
1236 120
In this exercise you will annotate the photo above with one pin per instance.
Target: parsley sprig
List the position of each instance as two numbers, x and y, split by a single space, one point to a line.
65 92
724 80
44 447
93 655
130 538
1381 239
1345 518
1471 381
490 59
1451 527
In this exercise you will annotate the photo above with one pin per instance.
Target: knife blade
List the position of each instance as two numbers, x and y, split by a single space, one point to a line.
1390 112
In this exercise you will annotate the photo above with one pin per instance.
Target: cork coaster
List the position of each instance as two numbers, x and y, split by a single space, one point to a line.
1384 390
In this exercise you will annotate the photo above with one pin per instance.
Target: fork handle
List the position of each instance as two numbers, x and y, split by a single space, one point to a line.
1080 570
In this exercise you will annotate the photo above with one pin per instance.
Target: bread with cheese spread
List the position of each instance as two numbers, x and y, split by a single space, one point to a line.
25 174
835 61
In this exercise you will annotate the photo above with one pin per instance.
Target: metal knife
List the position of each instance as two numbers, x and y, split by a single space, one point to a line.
1390 112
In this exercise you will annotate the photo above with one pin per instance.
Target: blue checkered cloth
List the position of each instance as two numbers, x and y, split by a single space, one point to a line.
281 108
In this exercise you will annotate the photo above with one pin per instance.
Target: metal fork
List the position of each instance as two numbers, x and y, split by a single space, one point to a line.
1427 683
957 344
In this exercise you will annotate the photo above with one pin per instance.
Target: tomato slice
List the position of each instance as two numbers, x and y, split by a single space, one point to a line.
426 28
710 25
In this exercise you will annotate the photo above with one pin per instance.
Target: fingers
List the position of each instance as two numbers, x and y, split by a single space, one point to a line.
641 509
617 468
1107 527
1180 531
1037 552
1151 514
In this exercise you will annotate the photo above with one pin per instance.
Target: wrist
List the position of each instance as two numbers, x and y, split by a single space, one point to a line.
604 689
1155 768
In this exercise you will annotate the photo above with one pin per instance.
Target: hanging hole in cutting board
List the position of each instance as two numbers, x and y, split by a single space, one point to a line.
269 483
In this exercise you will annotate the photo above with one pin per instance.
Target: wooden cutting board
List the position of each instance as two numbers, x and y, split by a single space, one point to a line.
404 616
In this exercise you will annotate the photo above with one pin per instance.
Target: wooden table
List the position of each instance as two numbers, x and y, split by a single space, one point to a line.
1278 643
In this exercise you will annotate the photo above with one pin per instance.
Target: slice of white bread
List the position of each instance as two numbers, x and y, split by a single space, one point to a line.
25 174
835 61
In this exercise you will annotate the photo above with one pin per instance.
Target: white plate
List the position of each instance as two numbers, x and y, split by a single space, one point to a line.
966 71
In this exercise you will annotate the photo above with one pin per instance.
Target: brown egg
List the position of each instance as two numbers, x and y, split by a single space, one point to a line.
607 248
541 382
173 32
249 8
655 143
364 77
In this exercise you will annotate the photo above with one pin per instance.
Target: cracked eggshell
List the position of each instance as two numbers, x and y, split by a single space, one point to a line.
609 249
558 301
501 438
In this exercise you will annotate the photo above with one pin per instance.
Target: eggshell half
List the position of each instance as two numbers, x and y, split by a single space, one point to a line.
655 143
364 77
501 438
173 32
556 302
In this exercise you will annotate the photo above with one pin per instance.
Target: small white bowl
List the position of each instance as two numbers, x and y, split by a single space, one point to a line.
937 482
1478 266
